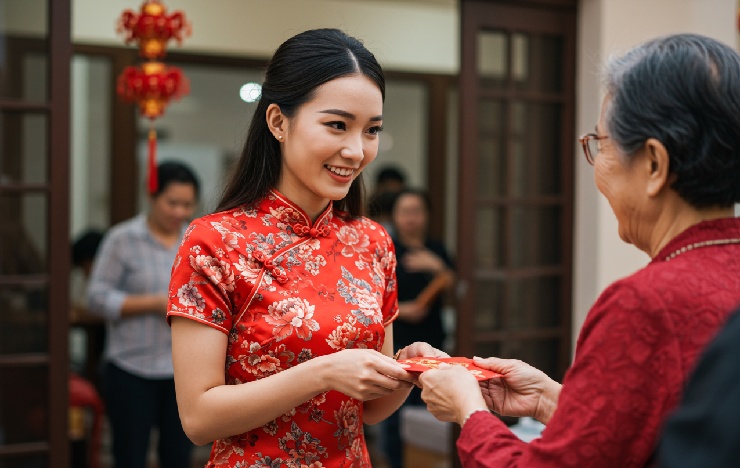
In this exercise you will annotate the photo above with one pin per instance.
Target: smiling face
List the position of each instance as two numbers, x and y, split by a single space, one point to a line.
328 142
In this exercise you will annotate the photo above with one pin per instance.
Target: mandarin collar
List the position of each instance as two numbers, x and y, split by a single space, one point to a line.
720 229
297 220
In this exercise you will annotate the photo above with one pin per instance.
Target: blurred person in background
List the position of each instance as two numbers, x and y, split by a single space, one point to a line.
388 182
128 288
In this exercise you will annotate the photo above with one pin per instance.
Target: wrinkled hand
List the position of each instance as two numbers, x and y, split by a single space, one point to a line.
423 260
364 374
451 393
522 391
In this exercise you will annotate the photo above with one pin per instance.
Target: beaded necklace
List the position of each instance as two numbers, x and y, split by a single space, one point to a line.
698 245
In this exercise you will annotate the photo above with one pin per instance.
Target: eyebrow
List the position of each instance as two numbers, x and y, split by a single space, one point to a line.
348 115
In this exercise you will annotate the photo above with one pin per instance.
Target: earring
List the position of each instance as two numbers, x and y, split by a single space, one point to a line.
280 137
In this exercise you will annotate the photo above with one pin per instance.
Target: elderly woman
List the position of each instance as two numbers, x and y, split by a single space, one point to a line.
666 155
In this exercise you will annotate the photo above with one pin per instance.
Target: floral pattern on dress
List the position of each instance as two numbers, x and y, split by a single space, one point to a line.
286 290
292 315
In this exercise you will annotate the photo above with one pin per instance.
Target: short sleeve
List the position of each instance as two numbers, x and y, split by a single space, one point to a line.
202 279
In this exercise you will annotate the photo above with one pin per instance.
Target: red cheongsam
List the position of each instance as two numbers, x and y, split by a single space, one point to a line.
285 290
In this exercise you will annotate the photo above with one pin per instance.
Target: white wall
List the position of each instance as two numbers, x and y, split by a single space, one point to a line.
403 34
606 27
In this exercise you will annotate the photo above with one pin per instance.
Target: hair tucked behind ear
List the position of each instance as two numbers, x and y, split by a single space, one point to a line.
300 65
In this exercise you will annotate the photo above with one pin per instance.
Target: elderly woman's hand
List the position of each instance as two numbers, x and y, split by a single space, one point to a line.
522 391
451 393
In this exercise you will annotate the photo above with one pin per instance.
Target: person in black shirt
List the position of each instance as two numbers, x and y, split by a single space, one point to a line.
424 273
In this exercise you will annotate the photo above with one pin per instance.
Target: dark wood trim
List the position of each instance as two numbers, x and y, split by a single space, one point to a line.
568 5
60 54
26 449
10 105
23 188
24 360
30 280
229 61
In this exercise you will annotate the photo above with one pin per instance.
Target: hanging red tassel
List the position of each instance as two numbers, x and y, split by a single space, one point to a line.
152 163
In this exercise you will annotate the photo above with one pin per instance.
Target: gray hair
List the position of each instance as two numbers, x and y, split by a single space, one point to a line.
683 90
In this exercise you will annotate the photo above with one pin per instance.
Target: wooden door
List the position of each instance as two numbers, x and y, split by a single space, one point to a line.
516 181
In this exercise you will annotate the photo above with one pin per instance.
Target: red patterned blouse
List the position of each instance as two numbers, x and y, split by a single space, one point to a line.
636 348
284 291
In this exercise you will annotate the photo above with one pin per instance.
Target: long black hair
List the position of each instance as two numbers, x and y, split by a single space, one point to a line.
299 66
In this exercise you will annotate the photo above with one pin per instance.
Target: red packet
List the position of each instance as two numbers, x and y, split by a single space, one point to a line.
421 364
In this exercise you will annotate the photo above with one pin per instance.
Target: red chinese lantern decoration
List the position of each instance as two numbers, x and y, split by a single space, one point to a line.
152 84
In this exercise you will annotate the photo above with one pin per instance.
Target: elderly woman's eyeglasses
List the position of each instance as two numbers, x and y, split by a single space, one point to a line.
591 145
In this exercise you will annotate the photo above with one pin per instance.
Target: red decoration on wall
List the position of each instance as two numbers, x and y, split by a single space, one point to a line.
152 84
153 27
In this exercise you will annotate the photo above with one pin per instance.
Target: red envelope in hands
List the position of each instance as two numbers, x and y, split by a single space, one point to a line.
421 364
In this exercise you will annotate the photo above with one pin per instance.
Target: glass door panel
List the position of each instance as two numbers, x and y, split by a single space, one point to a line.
23 234
23 58
493 59
24 410
24 158
491 174
23 320
536 162
489 239
536 236
537 62
91 95
533 303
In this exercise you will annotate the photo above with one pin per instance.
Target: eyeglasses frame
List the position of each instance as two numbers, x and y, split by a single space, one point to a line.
585 140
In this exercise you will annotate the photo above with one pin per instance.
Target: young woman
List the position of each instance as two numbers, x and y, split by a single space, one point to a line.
128 288
281 302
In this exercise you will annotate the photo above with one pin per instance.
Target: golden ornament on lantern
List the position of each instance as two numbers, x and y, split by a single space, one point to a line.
152 84
152 28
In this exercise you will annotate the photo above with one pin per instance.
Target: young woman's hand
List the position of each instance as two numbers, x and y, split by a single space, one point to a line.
420 349
364 374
